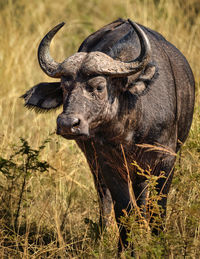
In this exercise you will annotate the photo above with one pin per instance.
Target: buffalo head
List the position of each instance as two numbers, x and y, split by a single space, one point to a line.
89 88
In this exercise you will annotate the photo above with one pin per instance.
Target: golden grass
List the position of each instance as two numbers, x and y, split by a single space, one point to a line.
23 24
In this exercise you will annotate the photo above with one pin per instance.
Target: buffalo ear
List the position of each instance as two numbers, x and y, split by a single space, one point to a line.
148 73
44 97
142 83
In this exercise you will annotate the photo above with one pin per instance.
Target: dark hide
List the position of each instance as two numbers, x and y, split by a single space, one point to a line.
109 116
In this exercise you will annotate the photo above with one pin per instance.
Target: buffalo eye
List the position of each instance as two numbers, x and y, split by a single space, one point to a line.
89 88
96 84
100 88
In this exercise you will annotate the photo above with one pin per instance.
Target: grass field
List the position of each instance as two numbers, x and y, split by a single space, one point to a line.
52 211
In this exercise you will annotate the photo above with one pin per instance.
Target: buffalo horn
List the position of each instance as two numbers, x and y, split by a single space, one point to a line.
48 65
103 64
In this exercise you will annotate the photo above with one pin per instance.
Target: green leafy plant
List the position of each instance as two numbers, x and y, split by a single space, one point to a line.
16 172
140 220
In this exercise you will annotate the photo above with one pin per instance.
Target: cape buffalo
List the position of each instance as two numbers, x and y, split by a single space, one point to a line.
127 95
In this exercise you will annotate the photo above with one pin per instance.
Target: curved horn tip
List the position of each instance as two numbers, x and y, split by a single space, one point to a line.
143 34
133 24
60 25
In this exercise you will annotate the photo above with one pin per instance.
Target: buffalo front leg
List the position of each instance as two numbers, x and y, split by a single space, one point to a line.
105 200
119 191
104 196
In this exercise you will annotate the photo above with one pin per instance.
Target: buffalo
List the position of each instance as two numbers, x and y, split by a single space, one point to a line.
127 96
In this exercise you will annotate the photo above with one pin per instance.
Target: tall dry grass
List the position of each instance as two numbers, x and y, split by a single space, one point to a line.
58 201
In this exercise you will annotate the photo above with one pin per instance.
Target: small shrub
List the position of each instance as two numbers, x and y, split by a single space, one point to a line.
15 192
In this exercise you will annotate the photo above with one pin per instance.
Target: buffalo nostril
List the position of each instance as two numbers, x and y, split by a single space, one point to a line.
67 122
75 122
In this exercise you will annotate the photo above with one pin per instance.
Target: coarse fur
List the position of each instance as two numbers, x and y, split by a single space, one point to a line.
110 115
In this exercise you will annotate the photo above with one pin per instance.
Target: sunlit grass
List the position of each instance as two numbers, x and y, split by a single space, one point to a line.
66 196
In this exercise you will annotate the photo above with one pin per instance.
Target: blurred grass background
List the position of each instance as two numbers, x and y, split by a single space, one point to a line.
56 202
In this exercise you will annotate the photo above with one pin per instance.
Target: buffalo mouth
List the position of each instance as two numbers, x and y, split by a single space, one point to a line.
69 135
75 137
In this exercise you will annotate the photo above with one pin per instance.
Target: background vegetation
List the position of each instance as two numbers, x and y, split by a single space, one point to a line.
48 204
